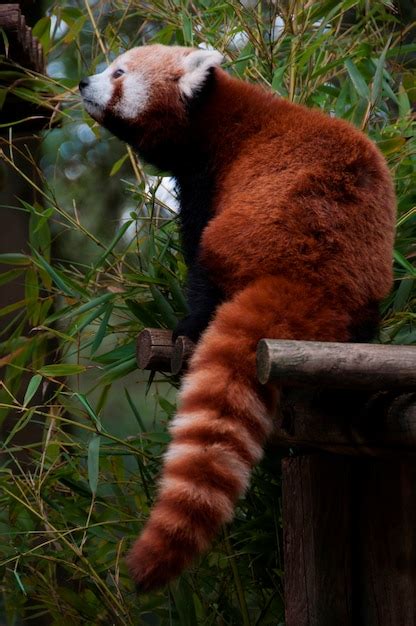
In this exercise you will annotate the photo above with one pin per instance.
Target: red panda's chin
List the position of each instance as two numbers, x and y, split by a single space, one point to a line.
94 110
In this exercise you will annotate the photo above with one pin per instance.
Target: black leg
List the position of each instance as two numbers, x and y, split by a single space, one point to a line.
203 298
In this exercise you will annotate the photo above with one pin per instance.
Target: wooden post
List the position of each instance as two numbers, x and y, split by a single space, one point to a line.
384 542
317 540
349 519
349 522
19 46
349 541
155 351
355 423
181 354
23 48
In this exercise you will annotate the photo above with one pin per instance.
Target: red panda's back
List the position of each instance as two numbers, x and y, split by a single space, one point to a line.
306 195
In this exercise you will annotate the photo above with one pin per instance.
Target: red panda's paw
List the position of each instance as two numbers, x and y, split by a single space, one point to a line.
191 326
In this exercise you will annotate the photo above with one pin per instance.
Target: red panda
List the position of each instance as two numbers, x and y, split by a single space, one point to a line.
287 222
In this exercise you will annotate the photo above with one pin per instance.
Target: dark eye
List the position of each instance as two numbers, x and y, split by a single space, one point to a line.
117 73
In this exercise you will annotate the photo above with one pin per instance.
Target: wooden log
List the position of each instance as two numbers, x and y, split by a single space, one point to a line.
23 46
317 541
182 352
11 18
349 541
337 365
154 349
383 543
359 423
362 424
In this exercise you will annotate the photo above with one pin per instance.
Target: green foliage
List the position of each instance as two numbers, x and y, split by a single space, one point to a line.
73 500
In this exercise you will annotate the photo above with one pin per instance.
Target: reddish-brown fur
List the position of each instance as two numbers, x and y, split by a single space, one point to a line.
300 243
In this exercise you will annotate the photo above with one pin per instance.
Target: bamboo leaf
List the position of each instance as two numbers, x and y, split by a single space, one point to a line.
31 285
377 86
57 278
12 258
19 582
157 437
96 419
187 28
122 352
178 295
119 369
78 327
18 426
405 107
141 311
164 307
32 388
92 304
402 294
135 411
42 30
112 245
100 334
389 146
357 80
118 164
10 308
400 259
7 277
93 462
64 369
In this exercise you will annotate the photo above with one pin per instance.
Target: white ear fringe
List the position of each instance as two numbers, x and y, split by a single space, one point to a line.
197 65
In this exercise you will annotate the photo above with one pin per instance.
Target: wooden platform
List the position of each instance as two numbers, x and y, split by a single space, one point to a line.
21 53
347 418
21 46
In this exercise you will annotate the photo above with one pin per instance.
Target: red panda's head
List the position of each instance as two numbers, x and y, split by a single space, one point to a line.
144 95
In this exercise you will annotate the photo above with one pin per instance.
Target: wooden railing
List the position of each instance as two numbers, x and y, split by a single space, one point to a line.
22 47
20 54
347 416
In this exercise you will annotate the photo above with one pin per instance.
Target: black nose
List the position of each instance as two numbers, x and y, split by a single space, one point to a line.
84 82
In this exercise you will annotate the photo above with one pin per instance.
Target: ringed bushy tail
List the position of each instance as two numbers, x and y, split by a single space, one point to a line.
224 419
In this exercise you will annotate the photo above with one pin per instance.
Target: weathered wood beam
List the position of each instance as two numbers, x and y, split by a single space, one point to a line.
345 422
317 533
23 47
182 352
348 540
360 422
352 401
337 365
156 351
383 543
20 47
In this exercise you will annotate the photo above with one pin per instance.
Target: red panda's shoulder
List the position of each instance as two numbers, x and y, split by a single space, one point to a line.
260 119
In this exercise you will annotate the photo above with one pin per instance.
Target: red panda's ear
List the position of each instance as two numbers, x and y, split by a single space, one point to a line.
196 66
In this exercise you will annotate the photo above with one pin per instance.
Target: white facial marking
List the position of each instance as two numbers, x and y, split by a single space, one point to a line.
134 96
125 87
97 94
197 65
101 88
